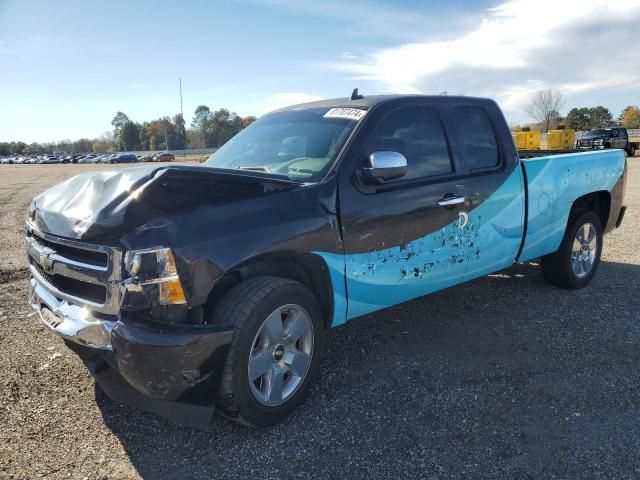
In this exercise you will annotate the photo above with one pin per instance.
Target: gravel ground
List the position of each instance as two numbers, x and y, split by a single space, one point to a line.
503 377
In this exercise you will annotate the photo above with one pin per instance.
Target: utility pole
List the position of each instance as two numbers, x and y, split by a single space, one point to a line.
184 152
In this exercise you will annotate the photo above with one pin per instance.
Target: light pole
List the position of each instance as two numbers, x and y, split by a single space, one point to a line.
184 152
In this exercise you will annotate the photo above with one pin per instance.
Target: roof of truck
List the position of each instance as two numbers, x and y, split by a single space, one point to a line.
368 101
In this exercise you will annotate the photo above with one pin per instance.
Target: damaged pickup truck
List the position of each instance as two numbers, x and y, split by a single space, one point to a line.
193 288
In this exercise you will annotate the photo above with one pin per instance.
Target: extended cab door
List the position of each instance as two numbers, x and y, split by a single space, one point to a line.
494 182
619 138
405 237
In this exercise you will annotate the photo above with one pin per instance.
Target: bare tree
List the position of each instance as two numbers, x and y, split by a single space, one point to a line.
544 107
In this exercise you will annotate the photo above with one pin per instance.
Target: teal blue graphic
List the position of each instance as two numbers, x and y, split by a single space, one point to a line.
486 241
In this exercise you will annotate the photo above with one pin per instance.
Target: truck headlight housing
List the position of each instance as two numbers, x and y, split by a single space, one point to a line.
156 267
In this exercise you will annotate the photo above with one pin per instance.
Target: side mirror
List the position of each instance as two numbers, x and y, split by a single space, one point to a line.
384 165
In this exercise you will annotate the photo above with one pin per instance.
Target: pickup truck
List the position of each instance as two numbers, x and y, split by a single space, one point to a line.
189 289
604 138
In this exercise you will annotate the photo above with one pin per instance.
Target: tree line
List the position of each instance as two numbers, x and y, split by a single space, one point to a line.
544 108
208 129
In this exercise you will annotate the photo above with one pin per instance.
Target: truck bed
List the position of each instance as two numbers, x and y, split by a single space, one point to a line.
554 182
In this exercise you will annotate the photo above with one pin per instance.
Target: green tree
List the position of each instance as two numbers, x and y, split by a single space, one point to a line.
578 119
600 117
129 135
143 136
200 122
179 139
118 121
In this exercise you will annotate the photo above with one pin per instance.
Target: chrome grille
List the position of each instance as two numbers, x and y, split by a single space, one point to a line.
95 293
84 274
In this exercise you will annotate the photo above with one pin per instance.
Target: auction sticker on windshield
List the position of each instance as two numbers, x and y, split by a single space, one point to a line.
350 113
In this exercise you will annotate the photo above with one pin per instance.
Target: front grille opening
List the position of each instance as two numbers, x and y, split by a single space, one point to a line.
97 259
71 286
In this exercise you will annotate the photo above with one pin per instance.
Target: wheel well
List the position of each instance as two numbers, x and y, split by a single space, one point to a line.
308 269
598 202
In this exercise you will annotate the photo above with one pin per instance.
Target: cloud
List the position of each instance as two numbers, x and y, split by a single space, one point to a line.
515 50
374 18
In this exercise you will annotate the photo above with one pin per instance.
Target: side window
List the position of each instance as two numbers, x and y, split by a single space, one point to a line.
417 133
477 138
615 133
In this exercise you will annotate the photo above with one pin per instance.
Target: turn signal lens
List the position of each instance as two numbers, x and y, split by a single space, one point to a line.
170 293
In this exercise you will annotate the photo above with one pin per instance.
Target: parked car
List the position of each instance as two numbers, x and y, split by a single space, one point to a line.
50 159
88 159
603 138
6 161
212 286
163 157
123 158
148 157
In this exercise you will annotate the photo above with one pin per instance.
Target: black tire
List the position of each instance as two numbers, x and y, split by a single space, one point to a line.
246 306
632 150
557 268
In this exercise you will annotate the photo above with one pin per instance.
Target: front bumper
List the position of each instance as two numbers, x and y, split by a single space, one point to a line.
589 147
159 364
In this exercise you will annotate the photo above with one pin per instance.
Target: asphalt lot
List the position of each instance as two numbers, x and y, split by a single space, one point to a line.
503 377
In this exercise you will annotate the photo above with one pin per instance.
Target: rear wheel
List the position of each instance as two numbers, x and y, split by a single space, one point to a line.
631 150
576 261
275 351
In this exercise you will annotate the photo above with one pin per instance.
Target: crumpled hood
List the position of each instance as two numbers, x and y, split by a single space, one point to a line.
104 205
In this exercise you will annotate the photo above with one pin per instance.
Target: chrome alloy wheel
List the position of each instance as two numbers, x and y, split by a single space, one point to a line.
584 250
281 355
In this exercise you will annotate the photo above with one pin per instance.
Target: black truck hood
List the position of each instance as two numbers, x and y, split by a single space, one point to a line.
104 205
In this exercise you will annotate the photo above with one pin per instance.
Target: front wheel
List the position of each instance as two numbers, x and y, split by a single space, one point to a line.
275 351
631 150
576 261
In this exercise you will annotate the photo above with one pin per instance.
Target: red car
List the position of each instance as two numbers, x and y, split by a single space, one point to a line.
163 157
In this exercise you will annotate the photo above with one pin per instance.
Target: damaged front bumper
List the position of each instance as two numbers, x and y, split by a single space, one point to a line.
172 370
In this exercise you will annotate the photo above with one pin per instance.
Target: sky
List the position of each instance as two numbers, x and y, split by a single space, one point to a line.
67 66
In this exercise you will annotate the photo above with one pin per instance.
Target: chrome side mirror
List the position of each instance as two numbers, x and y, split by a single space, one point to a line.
384 165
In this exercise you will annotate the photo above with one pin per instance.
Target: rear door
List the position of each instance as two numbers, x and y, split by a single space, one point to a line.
404 238
493 178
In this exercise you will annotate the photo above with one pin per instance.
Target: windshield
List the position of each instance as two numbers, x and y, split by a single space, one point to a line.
597 132
298 144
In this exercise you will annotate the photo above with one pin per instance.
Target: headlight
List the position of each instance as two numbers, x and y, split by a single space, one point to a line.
156 267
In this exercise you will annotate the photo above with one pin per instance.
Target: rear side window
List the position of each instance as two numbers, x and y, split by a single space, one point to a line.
476 135
417 133
620 132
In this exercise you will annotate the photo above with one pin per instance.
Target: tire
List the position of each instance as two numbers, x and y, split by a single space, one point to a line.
252 307
632 150
558 268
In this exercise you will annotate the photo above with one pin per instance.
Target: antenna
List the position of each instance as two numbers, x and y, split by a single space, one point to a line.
355 95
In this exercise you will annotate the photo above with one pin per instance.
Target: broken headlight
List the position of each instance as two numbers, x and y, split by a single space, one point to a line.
156 267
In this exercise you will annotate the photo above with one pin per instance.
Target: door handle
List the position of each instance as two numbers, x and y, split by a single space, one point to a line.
449 201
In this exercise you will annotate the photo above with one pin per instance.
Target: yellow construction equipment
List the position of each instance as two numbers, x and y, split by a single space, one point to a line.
527 140
561 139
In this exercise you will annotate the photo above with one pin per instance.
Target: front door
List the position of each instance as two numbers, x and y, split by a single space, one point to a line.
409 236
